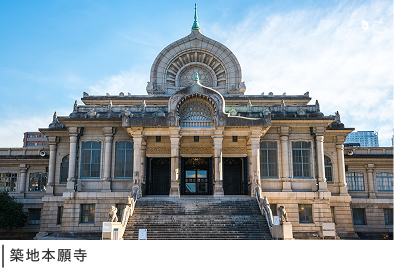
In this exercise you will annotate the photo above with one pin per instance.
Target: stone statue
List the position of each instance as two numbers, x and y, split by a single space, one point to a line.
112 217
282 214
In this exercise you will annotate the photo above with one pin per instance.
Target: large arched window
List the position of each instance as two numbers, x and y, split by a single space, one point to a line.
196 112
64 170
328 168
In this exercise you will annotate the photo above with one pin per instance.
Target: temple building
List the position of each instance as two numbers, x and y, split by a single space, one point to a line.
197 133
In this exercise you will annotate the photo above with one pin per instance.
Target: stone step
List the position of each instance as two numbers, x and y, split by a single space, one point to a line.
198 218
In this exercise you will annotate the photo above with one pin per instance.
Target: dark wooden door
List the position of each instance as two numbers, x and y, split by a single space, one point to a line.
160 175
232 176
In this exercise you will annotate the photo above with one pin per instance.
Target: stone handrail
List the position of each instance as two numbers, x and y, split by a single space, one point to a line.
264 208
128 210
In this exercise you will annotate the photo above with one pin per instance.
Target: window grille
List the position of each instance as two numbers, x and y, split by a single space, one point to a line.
355 181
328 169
196 112
8 182
384 181
358 216
305 213
124 160
38 182
388 216
268 159
34 216
87 213
90 159
302 159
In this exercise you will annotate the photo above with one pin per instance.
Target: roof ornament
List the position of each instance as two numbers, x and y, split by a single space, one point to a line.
196 78
195 24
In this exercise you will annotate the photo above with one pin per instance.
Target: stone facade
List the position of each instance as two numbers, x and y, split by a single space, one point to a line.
196 112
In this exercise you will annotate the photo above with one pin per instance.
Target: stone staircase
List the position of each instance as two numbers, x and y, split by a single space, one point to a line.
204 218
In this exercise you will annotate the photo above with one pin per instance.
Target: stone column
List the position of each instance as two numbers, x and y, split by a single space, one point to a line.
284 145
255 155
218 142
341 165
143 166
321 172
108 133
371 188
22 182
175 165
137 138
52 141
250 169
73 132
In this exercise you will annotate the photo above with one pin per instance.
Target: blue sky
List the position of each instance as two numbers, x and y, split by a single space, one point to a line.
53 51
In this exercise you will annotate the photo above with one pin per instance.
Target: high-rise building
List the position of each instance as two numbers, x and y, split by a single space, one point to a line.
364 138
34 139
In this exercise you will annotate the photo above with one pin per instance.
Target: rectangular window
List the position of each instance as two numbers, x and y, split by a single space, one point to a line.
87 213
274 209
388 216
302 159
7 182
34 216
90 159
37 182
31 144
235 138
305 213
59 215
384 181
332 214
158 138
268 159
355 181
358 216
43 144
124 160
196 138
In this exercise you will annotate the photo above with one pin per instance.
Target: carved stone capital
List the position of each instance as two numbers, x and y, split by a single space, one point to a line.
284 131
109 131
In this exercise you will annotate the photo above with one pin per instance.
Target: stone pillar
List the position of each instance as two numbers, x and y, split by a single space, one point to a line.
341 166
371 187
175 165
73 132
52 141
143 166
218 142
137 138
250 169
284 145
321 173
22 182
255 155
108 133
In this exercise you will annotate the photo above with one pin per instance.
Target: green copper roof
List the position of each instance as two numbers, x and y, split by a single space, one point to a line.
195 24
196 78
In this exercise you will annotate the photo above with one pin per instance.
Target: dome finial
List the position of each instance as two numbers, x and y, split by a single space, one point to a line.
196 78
195 24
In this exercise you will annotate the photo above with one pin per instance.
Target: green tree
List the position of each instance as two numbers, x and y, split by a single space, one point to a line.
11 212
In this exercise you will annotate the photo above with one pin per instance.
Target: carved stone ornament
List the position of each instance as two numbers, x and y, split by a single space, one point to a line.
187 77
301 112
91 113
282 214
112 217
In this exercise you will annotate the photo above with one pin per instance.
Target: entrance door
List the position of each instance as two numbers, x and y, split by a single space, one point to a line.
196 181
196 176
160 176
232 176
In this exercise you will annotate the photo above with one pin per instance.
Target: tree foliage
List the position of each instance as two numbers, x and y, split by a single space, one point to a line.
11 212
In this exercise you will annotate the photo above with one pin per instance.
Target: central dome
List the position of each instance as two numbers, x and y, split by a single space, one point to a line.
175 66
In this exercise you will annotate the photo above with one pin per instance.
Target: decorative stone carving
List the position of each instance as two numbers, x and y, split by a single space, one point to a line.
158 150
282 214
92 113
301 112
112 217
196 150
186 78
234 150
266 112
233 112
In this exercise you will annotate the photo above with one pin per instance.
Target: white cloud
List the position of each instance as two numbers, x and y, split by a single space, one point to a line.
327 53
364 25
12 135
132 82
